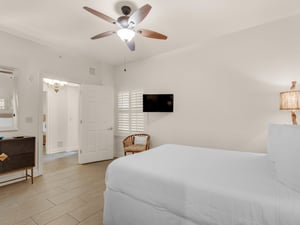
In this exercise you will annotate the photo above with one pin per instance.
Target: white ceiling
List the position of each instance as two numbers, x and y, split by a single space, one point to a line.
64 24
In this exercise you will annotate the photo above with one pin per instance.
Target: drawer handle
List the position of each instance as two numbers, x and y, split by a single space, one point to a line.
3 156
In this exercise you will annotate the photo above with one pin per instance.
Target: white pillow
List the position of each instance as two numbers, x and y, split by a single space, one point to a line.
140 140
284 149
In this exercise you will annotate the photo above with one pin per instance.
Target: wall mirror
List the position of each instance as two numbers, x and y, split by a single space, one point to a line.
8 100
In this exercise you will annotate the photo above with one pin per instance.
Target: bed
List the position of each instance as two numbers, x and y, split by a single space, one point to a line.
184 185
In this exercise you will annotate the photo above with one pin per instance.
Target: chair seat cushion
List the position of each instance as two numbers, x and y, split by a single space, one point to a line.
135 148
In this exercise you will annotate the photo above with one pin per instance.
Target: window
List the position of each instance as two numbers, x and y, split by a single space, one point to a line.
130 111
8 101
2 104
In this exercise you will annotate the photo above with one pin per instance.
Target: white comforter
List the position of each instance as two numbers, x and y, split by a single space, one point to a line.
206 186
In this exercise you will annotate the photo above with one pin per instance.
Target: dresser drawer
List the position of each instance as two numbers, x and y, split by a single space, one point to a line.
17 146
16 162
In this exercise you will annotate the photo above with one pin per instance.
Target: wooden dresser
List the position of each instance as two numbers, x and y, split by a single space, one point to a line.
17 154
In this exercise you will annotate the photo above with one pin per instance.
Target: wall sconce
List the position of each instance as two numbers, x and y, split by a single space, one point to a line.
290 100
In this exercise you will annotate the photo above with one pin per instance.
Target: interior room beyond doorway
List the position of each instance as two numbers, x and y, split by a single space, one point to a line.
60 119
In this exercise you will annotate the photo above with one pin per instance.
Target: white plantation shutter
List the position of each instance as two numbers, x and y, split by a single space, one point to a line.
2 104
137 115
123 111
130 111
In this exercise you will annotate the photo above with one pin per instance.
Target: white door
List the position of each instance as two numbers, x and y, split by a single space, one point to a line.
96 123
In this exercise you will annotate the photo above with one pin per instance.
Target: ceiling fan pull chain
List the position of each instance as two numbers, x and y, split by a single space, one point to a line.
125 69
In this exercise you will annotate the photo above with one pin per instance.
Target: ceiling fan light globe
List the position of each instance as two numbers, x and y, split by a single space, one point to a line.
126 34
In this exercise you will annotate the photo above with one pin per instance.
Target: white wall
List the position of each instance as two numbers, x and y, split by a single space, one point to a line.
34 61
226 92
31 60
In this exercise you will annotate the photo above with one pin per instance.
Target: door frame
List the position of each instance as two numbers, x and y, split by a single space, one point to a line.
39 144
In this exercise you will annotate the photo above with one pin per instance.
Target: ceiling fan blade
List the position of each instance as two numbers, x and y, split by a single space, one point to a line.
101 15
104 34
139 14
6 72
131 45
151 34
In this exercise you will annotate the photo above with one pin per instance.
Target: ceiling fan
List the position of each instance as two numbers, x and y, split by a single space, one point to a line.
127 25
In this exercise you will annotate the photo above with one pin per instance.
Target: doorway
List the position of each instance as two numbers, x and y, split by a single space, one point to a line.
93 126
60 120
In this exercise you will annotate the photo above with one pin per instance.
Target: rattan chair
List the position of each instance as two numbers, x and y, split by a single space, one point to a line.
130 145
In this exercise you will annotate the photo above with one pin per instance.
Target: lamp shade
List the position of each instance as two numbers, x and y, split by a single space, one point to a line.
290 100
126 34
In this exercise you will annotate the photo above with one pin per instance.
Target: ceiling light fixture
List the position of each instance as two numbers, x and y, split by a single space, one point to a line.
127 24
55 84
126 34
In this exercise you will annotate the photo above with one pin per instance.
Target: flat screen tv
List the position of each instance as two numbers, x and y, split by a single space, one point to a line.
158 102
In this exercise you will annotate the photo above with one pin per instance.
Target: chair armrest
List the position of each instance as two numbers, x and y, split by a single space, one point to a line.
128 141
148 143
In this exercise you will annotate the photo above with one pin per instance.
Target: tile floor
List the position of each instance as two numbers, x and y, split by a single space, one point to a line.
67 194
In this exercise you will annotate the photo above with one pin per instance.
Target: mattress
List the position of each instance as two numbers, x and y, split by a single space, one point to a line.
178 184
